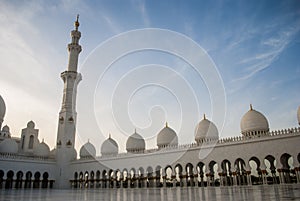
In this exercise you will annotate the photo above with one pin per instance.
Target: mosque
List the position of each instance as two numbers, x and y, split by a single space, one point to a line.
257 156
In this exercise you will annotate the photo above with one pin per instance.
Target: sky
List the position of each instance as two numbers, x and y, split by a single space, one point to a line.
248 52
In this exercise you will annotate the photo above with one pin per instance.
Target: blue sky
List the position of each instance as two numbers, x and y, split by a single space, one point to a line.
254 45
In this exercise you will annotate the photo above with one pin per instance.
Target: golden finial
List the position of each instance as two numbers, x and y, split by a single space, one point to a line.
204 117
109 135
135 130
76 24
251 107
166 124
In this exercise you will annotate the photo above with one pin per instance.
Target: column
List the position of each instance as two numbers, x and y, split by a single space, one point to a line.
174 180
234 178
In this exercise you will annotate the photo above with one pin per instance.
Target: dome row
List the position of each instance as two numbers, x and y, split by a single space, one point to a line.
252 123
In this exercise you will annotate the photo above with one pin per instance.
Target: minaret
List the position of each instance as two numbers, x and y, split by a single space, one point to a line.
70 77
67 115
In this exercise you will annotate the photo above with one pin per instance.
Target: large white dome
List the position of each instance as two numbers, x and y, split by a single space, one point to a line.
87 151
298 115
42 149
9 146
206 129
109 147
167 137
135 143
254 122
2 109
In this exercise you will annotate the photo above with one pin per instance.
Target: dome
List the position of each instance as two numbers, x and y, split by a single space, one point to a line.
206 129
42 149
298 115
87 151
167 137
9 146
109 147
254 122
2 109
5 129
135 143
30 124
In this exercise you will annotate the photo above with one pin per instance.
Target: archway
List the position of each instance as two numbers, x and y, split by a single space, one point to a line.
75 182
141 179
86 179
270 163
98 174
118 177
256 176
9 179
36 182
212 176
45 179
19 179
226 174
92 179
158 176
104 179
28 180
1 178
240 171
286 161
189 169
178 173
125 178
132 178
150 178
111 178
81 180
169 176
201 174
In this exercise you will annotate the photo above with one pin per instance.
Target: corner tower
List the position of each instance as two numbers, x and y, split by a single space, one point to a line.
67 115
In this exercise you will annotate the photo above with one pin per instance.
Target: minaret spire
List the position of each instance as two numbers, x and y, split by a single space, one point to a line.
74 48
76 23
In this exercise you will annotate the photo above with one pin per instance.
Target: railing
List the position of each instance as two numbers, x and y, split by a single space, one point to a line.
25 157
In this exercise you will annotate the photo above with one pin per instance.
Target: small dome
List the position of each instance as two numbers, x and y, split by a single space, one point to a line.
109 147
6 129
206 129
30 124
135 143
2 109
9 146
42 149
167 137
87 151
254 122
298 115
5 132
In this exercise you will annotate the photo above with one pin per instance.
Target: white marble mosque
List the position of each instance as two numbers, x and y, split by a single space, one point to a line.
257 156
